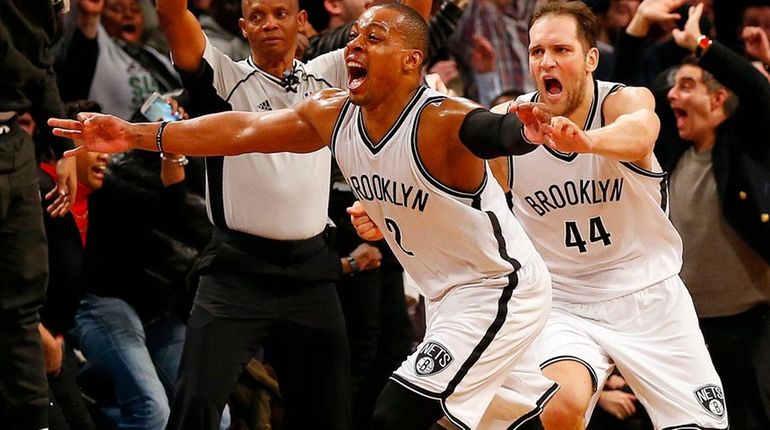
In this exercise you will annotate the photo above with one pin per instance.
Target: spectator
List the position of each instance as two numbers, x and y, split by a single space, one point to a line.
27 83
105 60
504 24
66 241
720 193
135 269
718 158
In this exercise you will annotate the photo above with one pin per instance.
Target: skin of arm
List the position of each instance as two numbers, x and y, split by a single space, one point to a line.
631 132
306 127
89 12
184 34
440 149
629 136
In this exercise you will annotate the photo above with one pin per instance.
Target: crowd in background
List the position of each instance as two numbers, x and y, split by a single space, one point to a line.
123 261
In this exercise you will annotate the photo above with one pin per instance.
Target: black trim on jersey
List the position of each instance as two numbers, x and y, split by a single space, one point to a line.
337 126
238 84
206 100
589 120
474 196
317 79
276 80
375 148
594 378
540 404
509 199
594 107
663 176
612 90
644 172
502 309
664 193
215 174
430 395
693 427
561 155
289 81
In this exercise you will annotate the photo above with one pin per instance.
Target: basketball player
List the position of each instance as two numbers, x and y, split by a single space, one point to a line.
593 198
408 153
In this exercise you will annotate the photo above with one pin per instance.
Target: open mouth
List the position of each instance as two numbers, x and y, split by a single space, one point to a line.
552 86
680 115
128 30
356 75
98 171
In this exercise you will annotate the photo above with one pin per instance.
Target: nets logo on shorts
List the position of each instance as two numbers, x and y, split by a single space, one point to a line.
712 399
433 358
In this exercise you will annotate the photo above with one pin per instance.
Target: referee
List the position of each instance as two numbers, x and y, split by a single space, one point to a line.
268 275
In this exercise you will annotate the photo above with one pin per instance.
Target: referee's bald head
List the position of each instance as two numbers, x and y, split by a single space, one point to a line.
293 4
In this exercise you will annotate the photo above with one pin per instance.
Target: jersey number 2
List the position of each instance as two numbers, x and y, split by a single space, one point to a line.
396 230
597 233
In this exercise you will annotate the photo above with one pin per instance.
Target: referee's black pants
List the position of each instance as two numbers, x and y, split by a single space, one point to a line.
23 278
299 324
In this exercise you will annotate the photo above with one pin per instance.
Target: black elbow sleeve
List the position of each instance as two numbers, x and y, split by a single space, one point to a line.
489 135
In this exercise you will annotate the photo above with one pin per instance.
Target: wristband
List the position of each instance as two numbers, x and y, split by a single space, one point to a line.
159 139
353 264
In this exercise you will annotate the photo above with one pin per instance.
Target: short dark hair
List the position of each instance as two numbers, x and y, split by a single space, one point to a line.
585 20
711 83
413 27
317 15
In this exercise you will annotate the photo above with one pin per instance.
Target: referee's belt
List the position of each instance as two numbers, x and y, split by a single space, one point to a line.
271 249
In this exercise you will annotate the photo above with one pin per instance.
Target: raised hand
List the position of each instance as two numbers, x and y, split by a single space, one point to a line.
565 136
534 117
482 55
688 37
94 132
65 191
756 43
365 227
90 7
652 12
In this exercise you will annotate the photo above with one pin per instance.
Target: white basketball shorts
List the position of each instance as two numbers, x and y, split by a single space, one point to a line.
653 338
476 339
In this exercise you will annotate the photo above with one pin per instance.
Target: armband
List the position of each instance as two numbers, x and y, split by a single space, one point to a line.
489 135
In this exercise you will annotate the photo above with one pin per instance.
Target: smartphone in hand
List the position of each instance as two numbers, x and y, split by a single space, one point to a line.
156 108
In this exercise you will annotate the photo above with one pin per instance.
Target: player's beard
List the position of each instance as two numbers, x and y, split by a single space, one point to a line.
574 99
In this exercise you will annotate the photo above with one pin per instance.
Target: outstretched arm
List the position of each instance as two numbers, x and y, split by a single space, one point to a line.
632 127
184 34
306 127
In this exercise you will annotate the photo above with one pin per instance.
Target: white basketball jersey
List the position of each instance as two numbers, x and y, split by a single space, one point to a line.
444 238
282 196
600 224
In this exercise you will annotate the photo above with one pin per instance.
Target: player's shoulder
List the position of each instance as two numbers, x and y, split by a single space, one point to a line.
627 93
329 98
450 108
324 105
